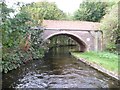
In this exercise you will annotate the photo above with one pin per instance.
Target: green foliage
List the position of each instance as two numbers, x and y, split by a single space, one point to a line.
69 17
106 60
104 54
43 10
36 40
17 48
10 61
61 40
4 11
109 25
91 11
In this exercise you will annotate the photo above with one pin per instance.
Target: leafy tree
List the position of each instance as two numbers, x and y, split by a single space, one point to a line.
43 10
110 27
91 11
18 41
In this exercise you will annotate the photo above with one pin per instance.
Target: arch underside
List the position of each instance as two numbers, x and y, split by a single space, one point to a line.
82 44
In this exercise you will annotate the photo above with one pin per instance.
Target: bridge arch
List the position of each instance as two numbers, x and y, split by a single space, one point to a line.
82 44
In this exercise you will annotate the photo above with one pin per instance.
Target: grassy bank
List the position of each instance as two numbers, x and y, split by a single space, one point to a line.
106 60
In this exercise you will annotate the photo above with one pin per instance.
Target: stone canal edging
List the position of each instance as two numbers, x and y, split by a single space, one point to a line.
99 68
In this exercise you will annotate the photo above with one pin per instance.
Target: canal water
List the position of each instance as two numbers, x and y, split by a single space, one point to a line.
58 69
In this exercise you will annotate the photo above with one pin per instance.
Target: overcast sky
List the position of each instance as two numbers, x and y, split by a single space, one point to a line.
68 6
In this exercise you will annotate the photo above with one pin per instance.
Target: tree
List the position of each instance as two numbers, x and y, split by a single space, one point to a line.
91 11
18 41
110 27
43 10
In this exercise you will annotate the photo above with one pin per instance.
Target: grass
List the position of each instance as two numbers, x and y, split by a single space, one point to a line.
106 60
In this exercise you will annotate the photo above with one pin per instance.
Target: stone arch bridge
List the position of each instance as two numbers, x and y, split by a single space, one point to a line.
86 34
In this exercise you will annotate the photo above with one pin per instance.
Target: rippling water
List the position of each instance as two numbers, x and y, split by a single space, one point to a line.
57 70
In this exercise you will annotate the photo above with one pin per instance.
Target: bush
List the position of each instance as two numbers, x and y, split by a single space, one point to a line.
109 25
18 44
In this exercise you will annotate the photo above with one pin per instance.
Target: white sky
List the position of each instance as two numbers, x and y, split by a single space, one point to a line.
68 6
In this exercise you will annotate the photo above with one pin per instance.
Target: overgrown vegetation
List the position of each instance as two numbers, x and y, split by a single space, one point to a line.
110 26
19 42
107 60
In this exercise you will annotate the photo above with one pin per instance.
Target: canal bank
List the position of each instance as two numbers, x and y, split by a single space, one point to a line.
97 66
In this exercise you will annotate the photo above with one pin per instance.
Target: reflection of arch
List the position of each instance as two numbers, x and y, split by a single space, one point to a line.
83 45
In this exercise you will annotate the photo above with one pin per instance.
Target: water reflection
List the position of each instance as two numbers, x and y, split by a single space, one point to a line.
58 69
